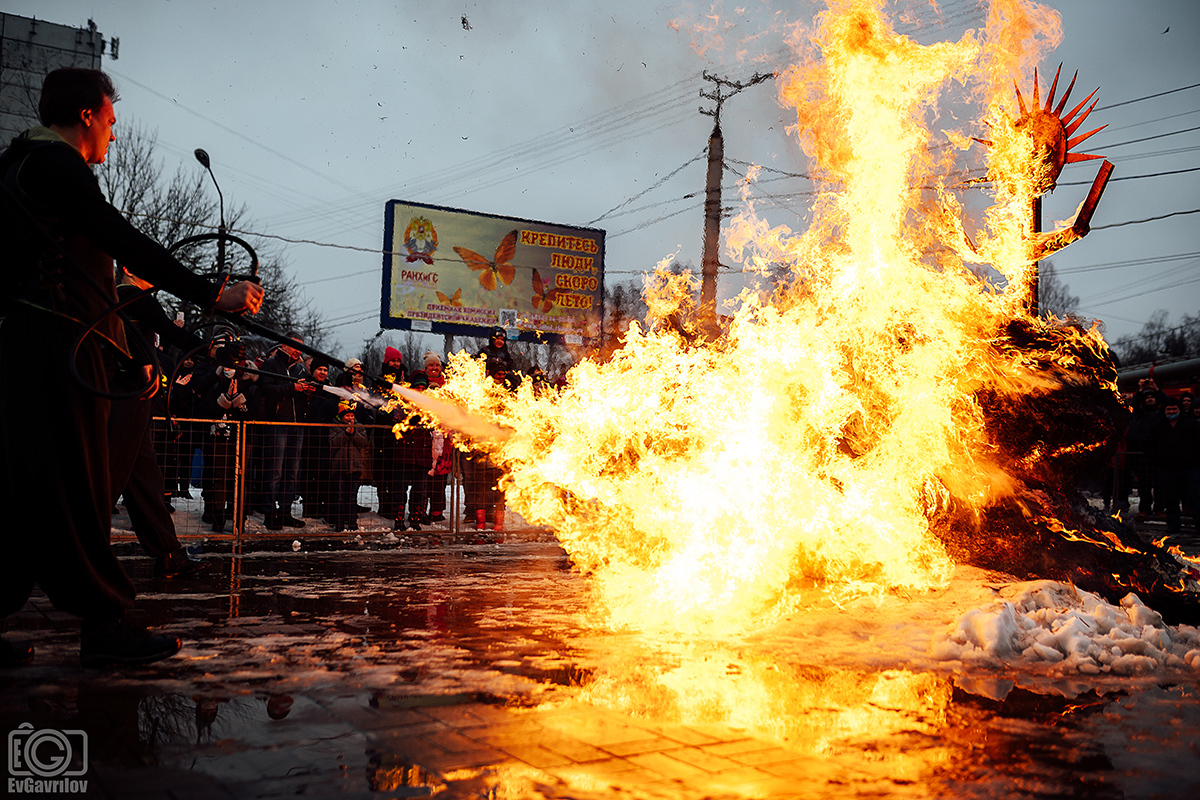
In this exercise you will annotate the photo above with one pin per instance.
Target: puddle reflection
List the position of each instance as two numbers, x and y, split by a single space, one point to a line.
472 674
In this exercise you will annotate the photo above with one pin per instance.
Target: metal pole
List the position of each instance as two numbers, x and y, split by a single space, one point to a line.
239 479
455 509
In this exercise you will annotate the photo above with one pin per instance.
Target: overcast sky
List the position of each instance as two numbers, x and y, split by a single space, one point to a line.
316 114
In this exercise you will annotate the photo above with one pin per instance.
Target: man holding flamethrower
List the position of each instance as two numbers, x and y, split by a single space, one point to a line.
59 295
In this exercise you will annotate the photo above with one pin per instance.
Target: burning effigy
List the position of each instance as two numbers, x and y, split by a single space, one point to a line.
893 407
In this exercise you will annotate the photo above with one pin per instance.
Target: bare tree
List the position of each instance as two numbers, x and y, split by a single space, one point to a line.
171 211
167 212
623 305
411 346
1159 340
552 358
1054 296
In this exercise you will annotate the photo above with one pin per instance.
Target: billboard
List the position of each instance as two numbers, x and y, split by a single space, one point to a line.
462 272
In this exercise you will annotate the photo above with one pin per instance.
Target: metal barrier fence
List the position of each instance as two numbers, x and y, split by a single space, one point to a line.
217 476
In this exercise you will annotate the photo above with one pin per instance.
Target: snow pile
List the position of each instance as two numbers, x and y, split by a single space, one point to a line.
1046 621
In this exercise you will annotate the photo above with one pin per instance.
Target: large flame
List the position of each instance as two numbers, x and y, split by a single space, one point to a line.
712 486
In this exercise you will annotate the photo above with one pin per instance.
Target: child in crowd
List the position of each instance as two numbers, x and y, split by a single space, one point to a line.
347 450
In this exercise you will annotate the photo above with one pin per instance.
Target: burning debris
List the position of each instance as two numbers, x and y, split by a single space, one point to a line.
886 414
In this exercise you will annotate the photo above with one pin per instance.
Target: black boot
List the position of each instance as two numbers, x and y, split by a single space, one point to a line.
272 521
177 565
118 643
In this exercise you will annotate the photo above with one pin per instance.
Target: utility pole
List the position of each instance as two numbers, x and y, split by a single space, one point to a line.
723 89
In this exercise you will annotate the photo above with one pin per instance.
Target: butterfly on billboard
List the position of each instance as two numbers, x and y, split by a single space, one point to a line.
543 294
498 270
450 300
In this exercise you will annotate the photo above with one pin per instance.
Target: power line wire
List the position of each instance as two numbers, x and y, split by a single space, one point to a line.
1147 219
1146 292
1140 123
650 188
1148 138
1136 177
1147 97
1133 262
241 136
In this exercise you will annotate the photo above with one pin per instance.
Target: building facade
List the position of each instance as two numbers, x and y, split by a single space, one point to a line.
30 48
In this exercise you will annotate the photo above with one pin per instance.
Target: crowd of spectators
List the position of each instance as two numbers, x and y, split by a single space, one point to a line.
315 448
1160 458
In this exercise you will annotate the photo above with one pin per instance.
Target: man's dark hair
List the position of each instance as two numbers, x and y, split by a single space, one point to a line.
67 91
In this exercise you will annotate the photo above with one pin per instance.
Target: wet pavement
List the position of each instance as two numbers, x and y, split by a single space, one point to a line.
469 666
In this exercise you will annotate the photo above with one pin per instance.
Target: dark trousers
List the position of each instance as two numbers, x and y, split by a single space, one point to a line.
256 469
1175 485
1148 500
480 483
54 472
410 488
220 455
316 482
283 465
387 458
436 492
174 446
344 503
134 466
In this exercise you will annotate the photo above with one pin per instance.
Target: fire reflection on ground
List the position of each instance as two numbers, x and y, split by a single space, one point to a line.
470 671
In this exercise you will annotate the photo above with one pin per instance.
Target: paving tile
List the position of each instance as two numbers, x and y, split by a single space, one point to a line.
709 762
772 755
535 755
639 746
665 765
733 749
469 715
685 735
598 730
573 748
511 733
419 750
630 777
453 742
413 729
804 768
611 765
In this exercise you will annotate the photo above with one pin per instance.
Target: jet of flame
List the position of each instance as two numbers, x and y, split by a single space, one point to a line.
713 486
